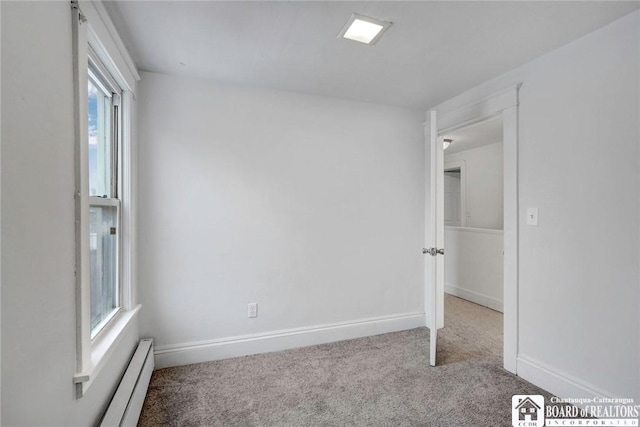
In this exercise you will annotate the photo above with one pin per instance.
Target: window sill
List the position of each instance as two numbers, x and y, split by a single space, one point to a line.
102 349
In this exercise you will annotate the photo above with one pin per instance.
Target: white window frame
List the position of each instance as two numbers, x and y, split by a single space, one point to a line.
103 79
94 34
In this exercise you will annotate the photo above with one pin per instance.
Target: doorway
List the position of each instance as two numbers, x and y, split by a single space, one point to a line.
473 213
454 115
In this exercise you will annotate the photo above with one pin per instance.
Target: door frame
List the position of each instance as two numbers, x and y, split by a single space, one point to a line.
502 103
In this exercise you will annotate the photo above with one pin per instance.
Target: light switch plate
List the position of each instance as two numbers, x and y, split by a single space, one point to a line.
532 216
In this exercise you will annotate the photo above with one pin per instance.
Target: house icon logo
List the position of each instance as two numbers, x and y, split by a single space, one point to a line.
527 410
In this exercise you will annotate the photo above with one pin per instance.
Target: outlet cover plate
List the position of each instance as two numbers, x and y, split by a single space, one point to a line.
252 309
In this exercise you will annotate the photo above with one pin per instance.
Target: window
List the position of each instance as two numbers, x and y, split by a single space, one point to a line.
104 83
103 101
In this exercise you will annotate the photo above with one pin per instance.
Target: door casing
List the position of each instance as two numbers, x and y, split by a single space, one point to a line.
502 103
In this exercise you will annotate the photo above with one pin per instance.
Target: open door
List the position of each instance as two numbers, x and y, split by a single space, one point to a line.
434 250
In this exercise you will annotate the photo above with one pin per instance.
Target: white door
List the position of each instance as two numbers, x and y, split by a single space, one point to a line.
434 250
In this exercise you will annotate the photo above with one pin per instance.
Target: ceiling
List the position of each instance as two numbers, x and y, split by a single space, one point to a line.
474 136
433 51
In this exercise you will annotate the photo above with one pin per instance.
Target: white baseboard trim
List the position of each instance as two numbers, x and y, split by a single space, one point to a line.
225 348
557 382
492 303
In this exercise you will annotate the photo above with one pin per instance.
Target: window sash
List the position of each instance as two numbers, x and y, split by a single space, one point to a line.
100 77
95 332
100 202
104 201
99 262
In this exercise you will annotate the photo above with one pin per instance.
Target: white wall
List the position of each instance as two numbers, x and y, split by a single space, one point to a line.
473 267
484 185
579 323
38 284
310 206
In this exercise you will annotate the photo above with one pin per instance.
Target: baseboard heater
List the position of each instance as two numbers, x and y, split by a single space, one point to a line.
126 405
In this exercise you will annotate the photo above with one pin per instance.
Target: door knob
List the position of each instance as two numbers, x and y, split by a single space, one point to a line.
433 251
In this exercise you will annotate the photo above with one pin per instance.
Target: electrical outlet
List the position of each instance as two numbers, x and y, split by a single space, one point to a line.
253 309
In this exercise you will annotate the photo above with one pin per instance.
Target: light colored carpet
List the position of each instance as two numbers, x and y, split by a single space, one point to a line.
383 380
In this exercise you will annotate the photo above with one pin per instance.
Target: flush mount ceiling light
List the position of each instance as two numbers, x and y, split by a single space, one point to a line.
446 142
364 29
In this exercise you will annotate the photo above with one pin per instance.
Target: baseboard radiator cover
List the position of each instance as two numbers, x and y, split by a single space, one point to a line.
126 404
